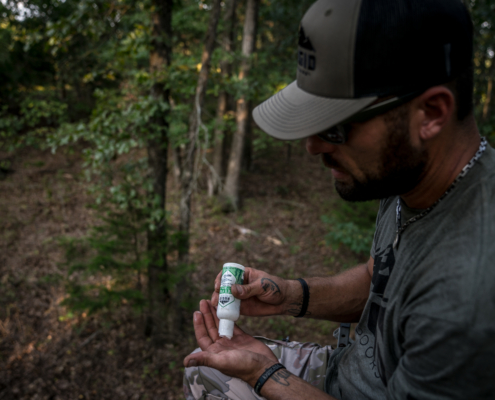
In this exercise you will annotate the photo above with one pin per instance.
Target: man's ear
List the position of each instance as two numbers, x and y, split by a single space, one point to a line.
435 107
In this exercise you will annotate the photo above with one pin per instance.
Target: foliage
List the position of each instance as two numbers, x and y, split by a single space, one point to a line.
76 47
117 132
263 142
106 267
39 112
482 12
109 263
352 224
78 70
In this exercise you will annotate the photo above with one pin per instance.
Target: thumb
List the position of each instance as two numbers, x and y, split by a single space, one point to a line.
246 291
194 360
202 358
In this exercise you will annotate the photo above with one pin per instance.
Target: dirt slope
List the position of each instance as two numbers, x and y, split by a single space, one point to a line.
45 353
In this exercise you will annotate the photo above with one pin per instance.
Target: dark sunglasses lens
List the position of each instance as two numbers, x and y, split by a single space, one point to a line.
335 135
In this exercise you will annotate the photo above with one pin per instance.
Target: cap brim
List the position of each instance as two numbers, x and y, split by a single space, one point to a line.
294 114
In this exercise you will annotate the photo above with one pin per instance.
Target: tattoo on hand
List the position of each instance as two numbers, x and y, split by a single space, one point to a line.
268 284
281 377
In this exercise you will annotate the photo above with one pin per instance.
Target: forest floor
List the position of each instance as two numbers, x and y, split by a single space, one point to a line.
47 353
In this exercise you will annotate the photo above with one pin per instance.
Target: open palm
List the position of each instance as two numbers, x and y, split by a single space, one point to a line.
243 356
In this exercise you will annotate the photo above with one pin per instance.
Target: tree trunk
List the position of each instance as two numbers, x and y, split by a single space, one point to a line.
158 293
215 177
489 77
231 192
481 55
188 158
486 106
247 158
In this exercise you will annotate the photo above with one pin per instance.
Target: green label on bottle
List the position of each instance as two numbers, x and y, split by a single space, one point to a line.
230 276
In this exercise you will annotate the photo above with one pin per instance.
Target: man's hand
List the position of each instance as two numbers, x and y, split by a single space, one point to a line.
263 294
339 298
243 357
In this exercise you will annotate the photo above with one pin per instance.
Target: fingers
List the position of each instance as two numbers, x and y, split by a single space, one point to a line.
247 291
214 299
198 359
217 282
210 318
237 330
248 276
206 359
216 291
201 332
206 325
243 364
192 360
213 313
223 361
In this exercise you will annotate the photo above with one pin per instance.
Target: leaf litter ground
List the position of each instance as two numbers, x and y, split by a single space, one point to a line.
47 353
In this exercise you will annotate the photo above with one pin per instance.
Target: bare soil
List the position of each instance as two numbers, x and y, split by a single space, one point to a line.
45 353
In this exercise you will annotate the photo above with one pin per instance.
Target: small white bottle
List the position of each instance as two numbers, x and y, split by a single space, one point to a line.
228 309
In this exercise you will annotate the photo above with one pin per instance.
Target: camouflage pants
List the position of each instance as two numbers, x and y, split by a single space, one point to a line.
305 360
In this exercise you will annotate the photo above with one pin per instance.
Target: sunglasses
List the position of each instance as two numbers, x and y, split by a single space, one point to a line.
338 134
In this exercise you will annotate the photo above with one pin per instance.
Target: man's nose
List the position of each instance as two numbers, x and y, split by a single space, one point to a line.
315 146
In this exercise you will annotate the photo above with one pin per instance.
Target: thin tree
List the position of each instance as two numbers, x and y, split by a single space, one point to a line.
489 77
227 41
187 159
231 191
158 293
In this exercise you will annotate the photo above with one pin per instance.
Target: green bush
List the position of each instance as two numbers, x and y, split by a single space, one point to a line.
38 113
352 225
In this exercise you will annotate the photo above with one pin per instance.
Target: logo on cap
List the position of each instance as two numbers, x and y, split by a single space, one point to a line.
306 57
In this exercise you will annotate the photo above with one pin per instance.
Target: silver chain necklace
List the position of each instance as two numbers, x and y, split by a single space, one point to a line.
462 174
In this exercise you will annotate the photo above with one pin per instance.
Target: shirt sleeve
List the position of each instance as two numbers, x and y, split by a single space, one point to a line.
438 353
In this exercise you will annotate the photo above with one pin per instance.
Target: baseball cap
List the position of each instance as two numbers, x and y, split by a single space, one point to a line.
352 52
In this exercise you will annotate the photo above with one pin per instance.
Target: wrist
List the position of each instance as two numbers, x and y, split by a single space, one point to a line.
292 303
265 376
263 365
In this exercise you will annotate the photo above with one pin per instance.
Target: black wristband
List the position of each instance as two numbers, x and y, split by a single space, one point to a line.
265 375
305 303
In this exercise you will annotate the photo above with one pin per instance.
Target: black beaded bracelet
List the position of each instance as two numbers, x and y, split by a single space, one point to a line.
305 303
265 375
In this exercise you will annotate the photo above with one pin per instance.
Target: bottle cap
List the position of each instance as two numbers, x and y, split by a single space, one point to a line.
235 265
226 328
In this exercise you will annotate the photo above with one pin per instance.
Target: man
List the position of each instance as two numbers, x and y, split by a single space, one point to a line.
384 94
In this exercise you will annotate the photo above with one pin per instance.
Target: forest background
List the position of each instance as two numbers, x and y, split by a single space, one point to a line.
130 171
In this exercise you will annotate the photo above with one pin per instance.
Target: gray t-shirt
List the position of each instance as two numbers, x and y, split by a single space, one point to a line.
428 328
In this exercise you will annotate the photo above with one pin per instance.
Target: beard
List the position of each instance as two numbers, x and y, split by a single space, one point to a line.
401 165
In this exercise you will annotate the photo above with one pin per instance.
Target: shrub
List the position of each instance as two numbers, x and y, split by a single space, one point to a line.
352 224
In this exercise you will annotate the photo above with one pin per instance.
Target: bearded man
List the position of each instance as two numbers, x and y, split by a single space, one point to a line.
384 95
